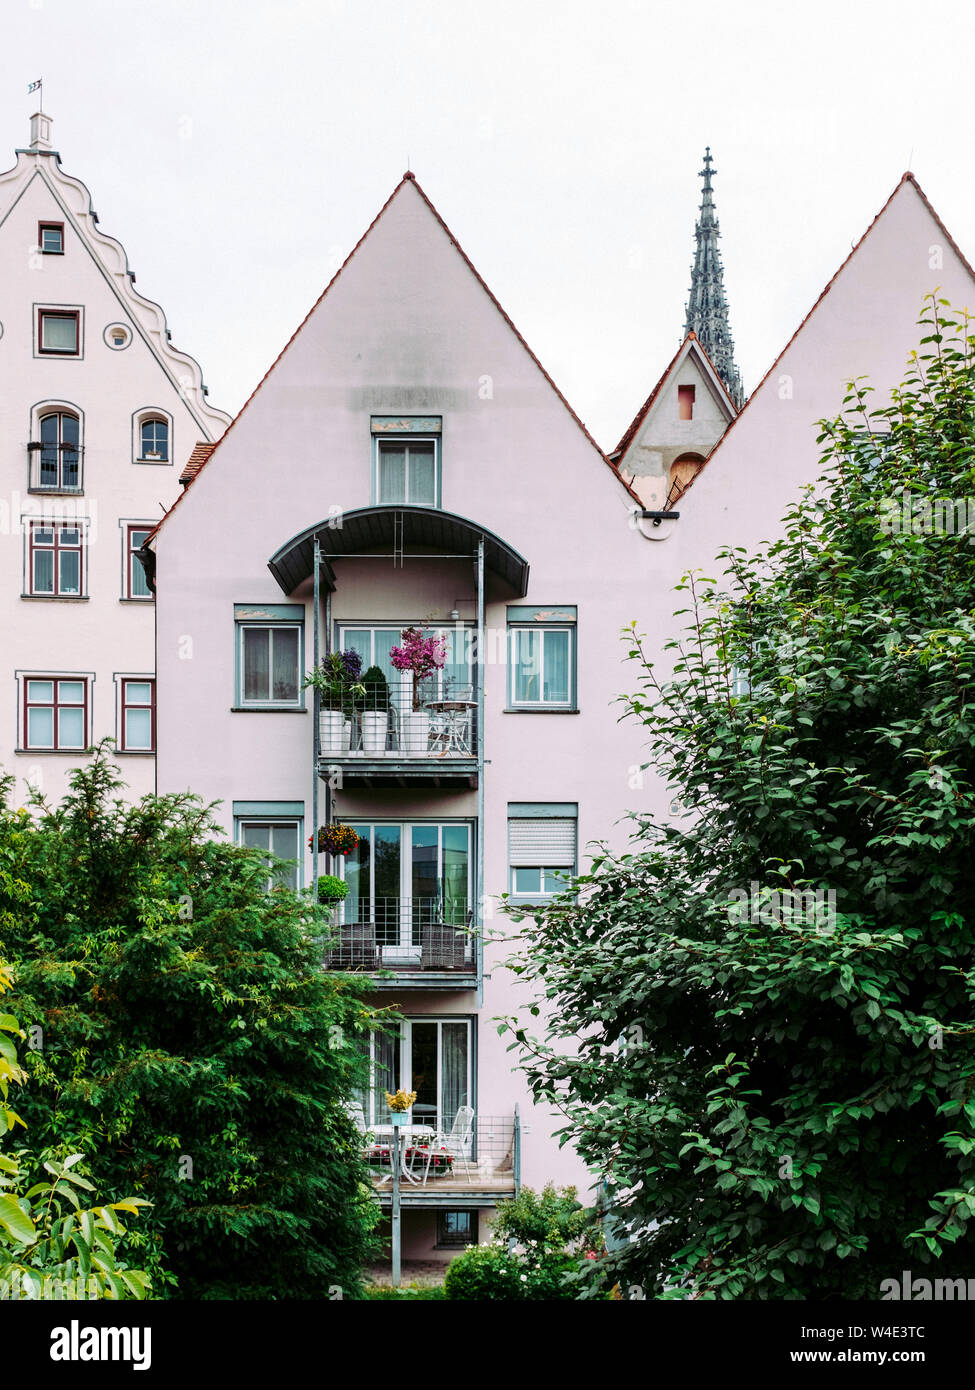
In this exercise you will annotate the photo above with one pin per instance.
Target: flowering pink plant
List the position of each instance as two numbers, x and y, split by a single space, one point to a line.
419 654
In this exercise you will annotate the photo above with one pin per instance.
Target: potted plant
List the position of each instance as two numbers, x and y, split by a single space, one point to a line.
421 656
336 679
335 839
331 890
400 1105
375 711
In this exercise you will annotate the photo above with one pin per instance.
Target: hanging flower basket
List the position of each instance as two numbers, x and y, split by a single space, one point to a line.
336 839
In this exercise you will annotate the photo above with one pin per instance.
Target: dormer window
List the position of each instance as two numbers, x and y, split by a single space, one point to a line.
50 238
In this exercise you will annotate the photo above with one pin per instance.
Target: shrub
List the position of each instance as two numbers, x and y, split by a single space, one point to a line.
485 1272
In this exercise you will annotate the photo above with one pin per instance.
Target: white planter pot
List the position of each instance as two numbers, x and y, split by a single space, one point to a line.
332 731
374 727
346 735
416 733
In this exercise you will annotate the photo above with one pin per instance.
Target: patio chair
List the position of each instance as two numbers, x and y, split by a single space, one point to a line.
456 1143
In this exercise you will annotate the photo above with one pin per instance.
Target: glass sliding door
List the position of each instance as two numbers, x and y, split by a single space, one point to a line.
431 1056
455 680
404 878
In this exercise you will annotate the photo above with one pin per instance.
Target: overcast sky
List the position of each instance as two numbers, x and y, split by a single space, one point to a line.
239 148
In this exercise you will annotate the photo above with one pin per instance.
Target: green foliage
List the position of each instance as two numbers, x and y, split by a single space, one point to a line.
192 1044
554 1218
376 688
780 1090
535 1251
331 889
51 1247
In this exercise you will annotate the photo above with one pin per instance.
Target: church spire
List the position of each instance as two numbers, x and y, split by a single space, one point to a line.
707 308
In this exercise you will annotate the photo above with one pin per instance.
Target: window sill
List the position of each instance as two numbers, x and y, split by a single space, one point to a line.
49 752
43 491
539 709
155 463
134 752
148 600
56 598
267 709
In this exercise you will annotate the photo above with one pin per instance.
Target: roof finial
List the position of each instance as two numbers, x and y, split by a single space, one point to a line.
40 131
707 307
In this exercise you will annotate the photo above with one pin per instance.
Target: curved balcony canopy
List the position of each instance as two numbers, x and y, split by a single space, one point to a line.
402 529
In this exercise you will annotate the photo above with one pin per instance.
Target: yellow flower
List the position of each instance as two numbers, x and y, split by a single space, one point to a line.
401 1101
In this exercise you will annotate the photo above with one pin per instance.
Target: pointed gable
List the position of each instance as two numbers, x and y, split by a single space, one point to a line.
676 428
864 324
388 309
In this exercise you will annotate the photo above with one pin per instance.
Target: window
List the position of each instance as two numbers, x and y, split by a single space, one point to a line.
431 1056
59 332
50 238
685 402
135 576
55 561
269 656
137 733
55 713
541 847
541 658
456 677
403 878
406 471
278 836
56 456
456 1228
154 440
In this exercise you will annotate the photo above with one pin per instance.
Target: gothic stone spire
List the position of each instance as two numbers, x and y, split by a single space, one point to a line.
707 308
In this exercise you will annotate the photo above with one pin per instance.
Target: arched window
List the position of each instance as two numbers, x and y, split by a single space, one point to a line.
682 473
154 439
60 453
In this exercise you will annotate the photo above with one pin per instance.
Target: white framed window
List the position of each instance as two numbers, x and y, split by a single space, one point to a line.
542 848
432 1056
541 660
55 558
269 665
280 838
50 238
55 712
152 436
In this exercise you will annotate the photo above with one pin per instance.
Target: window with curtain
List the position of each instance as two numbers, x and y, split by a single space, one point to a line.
541 664
407 472
278 838
269 664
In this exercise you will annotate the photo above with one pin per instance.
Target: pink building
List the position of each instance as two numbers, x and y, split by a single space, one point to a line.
96 409
407 461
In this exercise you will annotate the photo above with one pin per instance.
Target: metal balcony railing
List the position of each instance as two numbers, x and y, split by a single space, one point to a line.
440 722
402 934
55 467
490 1158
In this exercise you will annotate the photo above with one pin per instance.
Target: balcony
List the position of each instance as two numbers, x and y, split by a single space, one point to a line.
414 943
389 739
431 1177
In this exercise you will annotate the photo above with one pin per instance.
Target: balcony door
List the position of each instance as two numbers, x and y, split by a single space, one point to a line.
429 1056
406 876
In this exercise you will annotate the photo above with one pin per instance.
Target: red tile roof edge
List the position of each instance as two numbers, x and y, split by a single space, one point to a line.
408 177
201 452
906 177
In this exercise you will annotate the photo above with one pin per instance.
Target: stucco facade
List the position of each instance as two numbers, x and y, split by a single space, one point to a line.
97 412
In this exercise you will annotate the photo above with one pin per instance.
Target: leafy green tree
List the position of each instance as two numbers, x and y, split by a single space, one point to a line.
189 1041
775 992
50 1247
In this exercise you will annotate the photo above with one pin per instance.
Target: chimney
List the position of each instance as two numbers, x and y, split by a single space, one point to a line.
40 131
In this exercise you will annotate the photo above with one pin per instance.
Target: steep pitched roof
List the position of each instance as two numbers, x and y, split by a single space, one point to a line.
410 178
906 177
691 341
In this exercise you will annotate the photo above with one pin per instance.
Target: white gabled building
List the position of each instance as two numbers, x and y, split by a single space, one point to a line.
98 413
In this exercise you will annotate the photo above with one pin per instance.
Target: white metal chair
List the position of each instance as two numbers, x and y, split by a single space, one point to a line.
456 1144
